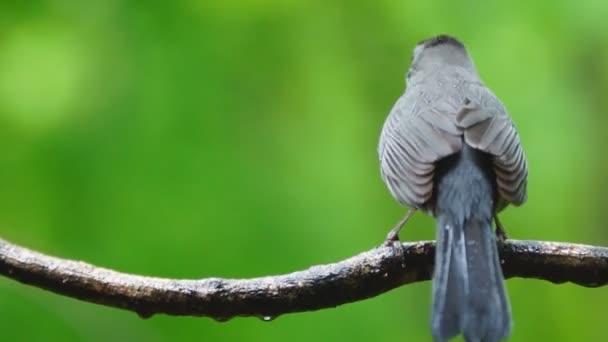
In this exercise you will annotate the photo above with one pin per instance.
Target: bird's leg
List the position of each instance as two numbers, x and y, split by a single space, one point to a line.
393 235
501 234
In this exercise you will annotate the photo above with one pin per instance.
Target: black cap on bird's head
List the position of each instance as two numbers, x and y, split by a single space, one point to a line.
436 52
442 39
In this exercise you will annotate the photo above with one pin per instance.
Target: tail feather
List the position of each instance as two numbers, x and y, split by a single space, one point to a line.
489 314
449 283
469 296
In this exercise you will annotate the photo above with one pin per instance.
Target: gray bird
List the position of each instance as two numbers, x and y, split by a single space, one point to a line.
450 149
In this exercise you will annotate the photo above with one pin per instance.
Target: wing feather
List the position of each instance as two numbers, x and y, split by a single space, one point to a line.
415 137
410 144
490 129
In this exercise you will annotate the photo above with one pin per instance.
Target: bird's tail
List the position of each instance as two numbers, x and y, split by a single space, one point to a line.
469 296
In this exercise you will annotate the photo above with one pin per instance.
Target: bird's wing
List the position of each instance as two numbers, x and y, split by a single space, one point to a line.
411 142
488 127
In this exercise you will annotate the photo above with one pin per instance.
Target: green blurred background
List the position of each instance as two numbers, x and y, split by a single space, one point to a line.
238 139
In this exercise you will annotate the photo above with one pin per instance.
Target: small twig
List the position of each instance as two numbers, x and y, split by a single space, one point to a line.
363 276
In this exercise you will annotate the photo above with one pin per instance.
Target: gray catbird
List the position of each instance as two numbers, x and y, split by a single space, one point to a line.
449 148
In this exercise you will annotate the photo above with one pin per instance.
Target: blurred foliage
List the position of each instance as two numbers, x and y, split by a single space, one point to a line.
238 139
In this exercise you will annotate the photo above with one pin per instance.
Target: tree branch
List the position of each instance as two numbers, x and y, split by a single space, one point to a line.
363 276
